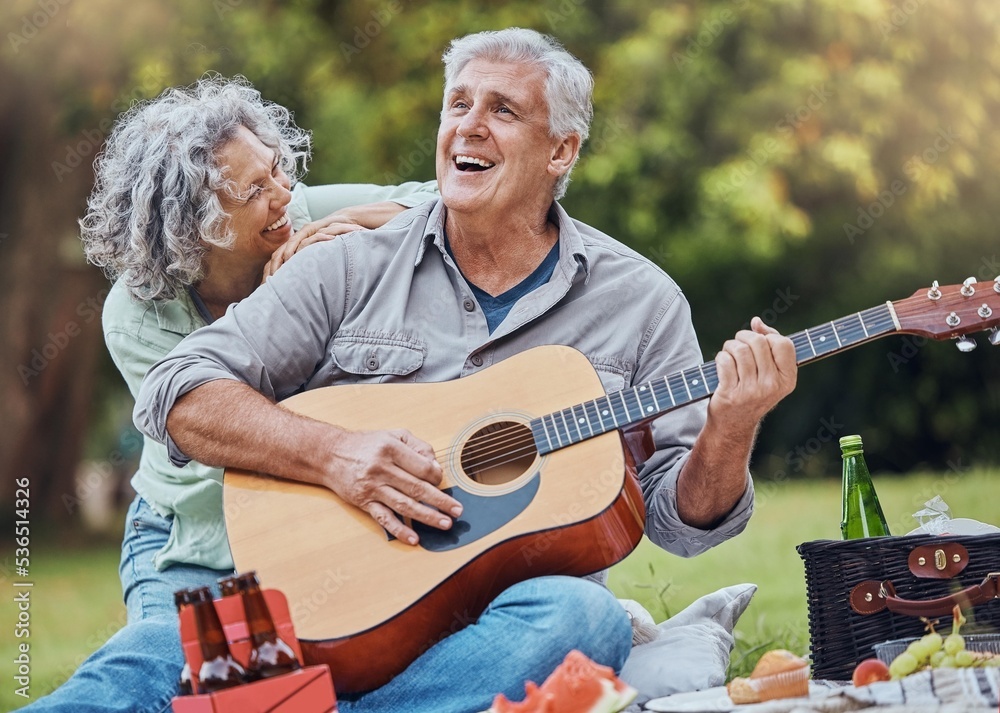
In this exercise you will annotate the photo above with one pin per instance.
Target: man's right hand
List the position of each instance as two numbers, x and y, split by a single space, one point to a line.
387 473
227 424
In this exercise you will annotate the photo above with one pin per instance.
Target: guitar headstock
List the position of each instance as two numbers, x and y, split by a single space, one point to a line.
952 311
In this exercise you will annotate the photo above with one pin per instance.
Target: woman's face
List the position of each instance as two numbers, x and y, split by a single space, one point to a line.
257 214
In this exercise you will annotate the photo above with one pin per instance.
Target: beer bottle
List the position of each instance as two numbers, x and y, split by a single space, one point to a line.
229 586
218 669
861 514
269 654
182 600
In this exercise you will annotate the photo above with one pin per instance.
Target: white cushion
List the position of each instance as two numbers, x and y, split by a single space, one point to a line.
691 652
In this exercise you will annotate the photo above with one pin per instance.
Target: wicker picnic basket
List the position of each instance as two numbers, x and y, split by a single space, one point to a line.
864 592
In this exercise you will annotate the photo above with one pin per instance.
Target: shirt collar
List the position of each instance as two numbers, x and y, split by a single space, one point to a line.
179 315
433 230
569 237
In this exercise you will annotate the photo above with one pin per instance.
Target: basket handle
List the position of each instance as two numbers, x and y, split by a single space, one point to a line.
969 597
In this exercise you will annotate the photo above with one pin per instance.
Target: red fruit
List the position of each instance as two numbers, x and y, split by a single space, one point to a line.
870 671
578 685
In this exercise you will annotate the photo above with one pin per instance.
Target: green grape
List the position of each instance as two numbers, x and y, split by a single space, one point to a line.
964 659
947 662
937 657
916 650
953 644
932 642
903 665
993 662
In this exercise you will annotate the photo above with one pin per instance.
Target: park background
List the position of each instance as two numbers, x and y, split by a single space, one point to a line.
795 159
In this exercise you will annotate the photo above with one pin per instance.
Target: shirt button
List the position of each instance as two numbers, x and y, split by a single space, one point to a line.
477 360
372 363
469 305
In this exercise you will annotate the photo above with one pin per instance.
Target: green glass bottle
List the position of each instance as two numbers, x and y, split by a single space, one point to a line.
861 514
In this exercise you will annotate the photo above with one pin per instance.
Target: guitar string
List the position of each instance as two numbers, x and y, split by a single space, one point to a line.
491 441
501 438
499 449
490 444
501 452
495 442
505 457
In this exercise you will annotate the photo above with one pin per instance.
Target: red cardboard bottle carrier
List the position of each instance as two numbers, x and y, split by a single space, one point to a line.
308 690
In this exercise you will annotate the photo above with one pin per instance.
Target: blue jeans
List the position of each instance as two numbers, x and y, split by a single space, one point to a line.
523 635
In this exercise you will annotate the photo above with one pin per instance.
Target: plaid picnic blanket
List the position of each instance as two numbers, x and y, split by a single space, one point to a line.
946 690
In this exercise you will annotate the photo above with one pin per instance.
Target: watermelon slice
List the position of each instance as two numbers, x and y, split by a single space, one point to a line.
578 685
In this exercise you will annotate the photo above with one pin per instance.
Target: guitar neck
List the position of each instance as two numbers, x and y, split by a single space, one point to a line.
646 401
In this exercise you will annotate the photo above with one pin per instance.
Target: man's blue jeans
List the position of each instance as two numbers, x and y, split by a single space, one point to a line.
523 635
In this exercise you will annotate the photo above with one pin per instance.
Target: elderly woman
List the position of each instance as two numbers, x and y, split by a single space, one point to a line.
193 206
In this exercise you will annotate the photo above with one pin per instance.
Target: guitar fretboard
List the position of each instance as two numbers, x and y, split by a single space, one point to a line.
653 398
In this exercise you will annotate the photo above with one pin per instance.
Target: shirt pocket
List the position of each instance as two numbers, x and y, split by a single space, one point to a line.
364 359
614 372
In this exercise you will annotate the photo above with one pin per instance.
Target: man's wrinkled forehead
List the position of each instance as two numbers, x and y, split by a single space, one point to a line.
503 89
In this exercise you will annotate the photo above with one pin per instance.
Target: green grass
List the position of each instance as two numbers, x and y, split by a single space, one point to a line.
76 605
76 600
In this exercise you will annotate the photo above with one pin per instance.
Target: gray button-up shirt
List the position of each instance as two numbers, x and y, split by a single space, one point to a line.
390 305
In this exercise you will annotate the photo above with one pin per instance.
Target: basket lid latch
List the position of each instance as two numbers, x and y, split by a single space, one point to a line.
942 560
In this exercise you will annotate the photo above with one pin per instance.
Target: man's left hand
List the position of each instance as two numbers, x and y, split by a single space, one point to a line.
756 370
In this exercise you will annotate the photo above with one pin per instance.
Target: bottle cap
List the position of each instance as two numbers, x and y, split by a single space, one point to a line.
248 580
201 594
229 585
850 442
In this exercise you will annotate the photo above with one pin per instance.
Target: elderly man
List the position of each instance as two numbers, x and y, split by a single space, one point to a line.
493 268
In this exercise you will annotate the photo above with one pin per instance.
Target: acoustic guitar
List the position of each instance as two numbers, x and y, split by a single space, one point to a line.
534 449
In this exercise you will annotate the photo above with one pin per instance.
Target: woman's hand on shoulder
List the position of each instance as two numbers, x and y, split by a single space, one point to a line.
318 231
346 220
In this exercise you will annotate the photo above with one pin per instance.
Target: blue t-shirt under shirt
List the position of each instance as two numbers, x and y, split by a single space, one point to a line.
496 308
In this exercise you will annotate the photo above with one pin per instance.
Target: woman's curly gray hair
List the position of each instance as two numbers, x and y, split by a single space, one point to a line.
154 208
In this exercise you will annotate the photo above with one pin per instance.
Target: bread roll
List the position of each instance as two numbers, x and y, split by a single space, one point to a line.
777 661
741 691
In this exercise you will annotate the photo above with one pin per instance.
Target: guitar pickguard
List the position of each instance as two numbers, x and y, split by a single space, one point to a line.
481 515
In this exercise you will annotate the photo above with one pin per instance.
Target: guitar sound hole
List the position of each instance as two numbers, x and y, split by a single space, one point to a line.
499 453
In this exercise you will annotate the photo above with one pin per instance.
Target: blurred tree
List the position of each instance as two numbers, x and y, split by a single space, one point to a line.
800 159
804 160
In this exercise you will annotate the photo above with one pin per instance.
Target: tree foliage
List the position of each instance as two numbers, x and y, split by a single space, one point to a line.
798 159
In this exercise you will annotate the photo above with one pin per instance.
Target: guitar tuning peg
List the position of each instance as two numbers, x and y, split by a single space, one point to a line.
935 294
996 284
965 345
967 287
994 337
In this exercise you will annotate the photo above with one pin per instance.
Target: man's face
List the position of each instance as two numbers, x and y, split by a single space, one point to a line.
494 152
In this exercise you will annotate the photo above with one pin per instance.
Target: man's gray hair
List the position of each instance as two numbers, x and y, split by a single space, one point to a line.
569 84
155 208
